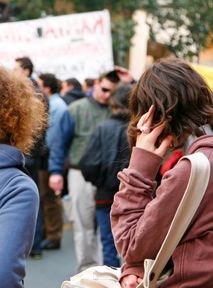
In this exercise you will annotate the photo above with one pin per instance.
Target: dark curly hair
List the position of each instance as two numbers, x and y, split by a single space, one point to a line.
180 96
23 115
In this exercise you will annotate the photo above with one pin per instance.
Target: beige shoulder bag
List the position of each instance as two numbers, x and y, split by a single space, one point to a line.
107 277
195 190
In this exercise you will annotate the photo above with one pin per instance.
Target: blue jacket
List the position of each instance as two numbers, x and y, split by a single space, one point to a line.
59 134
19 203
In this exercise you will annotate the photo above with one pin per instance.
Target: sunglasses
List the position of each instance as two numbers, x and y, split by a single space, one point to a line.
105 90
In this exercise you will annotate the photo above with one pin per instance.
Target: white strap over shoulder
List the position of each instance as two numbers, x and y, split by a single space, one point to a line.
198 182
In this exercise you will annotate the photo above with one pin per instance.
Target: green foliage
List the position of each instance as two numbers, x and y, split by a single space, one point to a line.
123 7
188 22
122 32
31 9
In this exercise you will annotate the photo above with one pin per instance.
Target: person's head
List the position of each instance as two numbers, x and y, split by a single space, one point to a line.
88 84
23 115
48 83
24 66
180 96
119 100
69 85
104 87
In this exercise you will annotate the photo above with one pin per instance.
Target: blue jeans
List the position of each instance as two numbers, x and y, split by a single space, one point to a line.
110 255
39 232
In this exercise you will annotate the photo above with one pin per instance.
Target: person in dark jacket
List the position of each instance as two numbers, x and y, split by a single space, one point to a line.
36 162
71 90
108 153
24 67
20 126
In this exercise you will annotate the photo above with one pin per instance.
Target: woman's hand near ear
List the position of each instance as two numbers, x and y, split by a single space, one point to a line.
147 137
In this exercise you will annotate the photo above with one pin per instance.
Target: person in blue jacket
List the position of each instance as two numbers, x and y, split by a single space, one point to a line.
20 127
58 140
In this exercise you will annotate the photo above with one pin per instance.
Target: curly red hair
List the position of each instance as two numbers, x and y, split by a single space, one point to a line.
23 116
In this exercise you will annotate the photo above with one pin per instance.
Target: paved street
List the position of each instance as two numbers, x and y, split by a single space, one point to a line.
55 266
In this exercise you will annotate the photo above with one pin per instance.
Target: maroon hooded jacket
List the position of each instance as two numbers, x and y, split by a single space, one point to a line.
140 223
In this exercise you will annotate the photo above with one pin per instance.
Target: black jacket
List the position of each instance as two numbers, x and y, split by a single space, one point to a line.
72 96
38 158
107 153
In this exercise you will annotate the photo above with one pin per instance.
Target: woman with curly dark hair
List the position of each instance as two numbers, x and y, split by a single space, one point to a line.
169 103
22 120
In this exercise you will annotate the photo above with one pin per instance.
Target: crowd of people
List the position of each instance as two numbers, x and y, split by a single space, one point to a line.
75 138
74 111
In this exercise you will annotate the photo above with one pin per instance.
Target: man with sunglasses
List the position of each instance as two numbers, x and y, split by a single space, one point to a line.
87 114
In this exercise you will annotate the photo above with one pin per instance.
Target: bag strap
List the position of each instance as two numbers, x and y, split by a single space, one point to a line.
195 190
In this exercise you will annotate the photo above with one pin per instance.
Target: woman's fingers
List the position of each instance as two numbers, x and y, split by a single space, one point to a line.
148 137
156 132
165 144
142 120
146 119
149 117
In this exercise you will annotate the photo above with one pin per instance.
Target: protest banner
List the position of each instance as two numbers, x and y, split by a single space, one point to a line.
76 45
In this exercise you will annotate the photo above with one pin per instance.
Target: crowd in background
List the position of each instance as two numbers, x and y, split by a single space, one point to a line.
84 147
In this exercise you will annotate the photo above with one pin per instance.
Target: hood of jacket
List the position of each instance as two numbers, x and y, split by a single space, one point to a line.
76 93
10 156
73 95
205 141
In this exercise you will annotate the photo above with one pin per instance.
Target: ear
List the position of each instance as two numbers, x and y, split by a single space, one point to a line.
48 89
96 81
96 84
26 72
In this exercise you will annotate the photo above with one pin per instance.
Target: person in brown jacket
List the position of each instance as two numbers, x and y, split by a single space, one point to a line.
179 103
